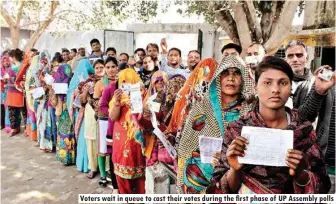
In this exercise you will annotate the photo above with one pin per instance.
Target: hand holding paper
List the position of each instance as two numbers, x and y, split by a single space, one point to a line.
208 147
266 146
48 79
37 92
136 99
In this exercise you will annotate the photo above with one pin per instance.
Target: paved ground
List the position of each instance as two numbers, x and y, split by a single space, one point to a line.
29 175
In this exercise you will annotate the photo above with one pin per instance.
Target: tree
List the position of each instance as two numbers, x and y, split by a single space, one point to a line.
15 26
266 22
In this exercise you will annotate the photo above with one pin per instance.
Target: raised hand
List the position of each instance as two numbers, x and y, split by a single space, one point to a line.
321 85
163 45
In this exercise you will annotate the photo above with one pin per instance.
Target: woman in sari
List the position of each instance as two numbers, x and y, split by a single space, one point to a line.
214 105
31 127
15 98
76 110
5 66
305 172
66 143
39 67
111 70
106 97
129 163
157 180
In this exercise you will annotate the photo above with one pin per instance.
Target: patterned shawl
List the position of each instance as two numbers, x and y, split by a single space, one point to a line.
275 180
207 118
30 74
201 74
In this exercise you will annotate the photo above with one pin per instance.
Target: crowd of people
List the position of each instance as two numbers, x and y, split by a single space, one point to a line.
93 125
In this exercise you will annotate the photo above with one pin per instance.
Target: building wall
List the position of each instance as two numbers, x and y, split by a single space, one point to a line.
6 39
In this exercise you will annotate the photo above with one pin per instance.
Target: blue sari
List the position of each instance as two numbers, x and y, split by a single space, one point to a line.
82 72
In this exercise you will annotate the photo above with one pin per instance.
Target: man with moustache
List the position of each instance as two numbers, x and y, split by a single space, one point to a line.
194 57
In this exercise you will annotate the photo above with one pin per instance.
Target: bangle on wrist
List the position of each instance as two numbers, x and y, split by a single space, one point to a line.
303 185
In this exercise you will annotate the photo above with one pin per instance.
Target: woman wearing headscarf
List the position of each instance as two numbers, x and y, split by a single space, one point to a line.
148 140
214 105
129 163
5 66
305 172
106 97
111 71
82 73
31 127
39 67
15 98
66 142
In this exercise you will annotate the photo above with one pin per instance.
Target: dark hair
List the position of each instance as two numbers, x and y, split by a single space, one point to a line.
98 61
5 52
149 56
122 66
152 45
94 40
194 51
57 58
256 43
295 43
140 49
74 50
271 62
125 54
232 45
111 49
57 54
65 50
16 53
176 49
111 59
34 50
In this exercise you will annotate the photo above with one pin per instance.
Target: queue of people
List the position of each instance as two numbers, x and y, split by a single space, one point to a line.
94 127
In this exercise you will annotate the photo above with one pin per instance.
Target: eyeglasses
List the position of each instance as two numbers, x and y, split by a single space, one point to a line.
298 55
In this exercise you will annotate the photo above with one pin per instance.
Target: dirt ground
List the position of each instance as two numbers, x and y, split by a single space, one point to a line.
29 175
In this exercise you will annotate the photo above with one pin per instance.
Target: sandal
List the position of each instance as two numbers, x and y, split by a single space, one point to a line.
91 174
103 182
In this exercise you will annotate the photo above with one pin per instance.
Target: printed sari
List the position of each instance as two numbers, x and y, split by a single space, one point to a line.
31 126
66 142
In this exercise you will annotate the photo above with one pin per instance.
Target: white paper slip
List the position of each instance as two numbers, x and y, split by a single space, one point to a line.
91 90
326 74
208 147
170 149
49 79
37 92
76 102
266 146
126 88
60 88
136 99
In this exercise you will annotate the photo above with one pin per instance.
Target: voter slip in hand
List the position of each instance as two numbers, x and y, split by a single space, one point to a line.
60 88
266 146
136 99
48 79
37 92
208 147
